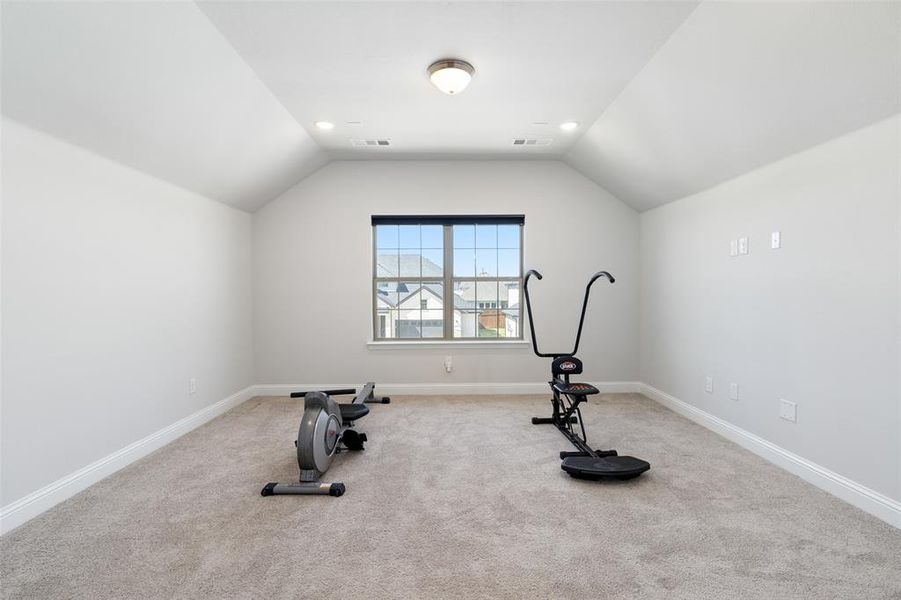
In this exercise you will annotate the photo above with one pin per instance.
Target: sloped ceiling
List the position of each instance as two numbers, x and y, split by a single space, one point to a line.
156 87
672 97
741 85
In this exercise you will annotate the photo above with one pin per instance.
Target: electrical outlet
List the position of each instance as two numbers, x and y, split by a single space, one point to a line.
733 248
743 245
708 385
192 386
776 240
448 364
733 391
788 410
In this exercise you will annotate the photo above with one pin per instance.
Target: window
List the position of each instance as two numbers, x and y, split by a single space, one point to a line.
447 278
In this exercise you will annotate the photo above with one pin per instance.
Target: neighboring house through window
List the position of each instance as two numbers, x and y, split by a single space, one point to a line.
456 277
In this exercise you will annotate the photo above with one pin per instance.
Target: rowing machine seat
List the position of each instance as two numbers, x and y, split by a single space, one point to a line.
352 412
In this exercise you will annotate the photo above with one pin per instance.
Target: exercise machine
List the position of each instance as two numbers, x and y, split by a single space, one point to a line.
326 429
586 462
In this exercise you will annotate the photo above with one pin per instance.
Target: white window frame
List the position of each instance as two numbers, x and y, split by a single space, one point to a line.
447 280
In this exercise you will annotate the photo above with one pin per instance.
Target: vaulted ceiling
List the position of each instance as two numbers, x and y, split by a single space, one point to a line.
672 97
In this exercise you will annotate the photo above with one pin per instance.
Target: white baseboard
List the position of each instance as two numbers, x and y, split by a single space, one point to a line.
20 511
850 491
441 389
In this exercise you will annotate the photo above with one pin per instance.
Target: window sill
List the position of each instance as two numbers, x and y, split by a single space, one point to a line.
466 344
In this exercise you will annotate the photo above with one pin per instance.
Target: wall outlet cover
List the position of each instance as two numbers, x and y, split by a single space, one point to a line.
733 391
708 385
788 410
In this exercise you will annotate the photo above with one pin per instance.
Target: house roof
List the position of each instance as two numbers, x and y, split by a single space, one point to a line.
407 264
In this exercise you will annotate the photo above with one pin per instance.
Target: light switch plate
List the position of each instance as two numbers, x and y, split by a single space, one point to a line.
743 245
776 240
733 248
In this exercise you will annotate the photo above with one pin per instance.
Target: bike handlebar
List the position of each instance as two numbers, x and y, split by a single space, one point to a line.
341 392
600 274
525 286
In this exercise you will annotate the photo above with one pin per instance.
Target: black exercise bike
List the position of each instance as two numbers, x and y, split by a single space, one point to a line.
586 463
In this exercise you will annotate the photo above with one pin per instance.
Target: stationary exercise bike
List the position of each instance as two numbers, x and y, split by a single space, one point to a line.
325 430
585 463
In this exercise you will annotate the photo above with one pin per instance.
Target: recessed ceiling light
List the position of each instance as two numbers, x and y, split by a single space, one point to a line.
326 125
451 75
569 126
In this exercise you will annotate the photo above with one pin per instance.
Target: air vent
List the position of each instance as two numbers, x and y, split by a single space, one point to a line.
370 143
532 141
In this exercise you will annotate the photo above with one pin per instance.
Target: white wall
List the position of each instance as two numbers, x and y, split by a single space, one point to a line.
816 322
313 270
117 288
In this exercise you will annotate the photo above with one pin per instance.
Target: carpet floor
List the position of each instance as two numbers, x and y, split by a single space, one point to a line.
454 497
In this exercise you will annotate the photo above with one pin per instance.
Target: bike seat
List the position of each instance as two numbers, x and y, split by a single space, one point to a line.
352 412
575 389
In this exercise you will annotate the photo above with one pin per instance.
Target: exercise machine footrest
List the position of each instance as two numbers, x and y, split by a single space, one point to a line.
550 420
606 467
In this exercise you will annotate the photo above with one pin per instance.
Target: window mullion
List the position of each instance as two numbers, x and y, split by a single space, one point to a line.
448 282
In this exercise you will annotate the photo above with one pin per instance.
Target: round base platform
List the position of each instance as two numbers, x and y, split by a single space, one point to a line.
607 467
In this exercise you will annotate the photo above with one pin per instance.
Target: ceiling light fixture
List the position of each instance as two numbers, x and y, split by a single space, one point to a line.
325 125
451 75
569 126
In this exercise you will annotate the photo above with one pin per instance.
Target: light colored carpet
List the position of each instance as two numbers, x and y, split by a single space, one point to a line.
455 497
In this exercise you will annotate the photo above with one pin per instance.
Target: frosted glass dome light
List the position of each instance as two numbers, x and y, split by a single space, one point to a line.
450 75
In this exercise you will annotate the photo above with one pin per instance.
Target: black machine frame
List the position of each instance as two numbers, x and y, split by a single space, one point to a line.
565 408
586 462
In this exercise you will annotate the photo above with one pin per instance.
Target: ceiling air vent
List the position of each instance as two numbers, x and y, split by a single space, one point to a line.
370 143
532 141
